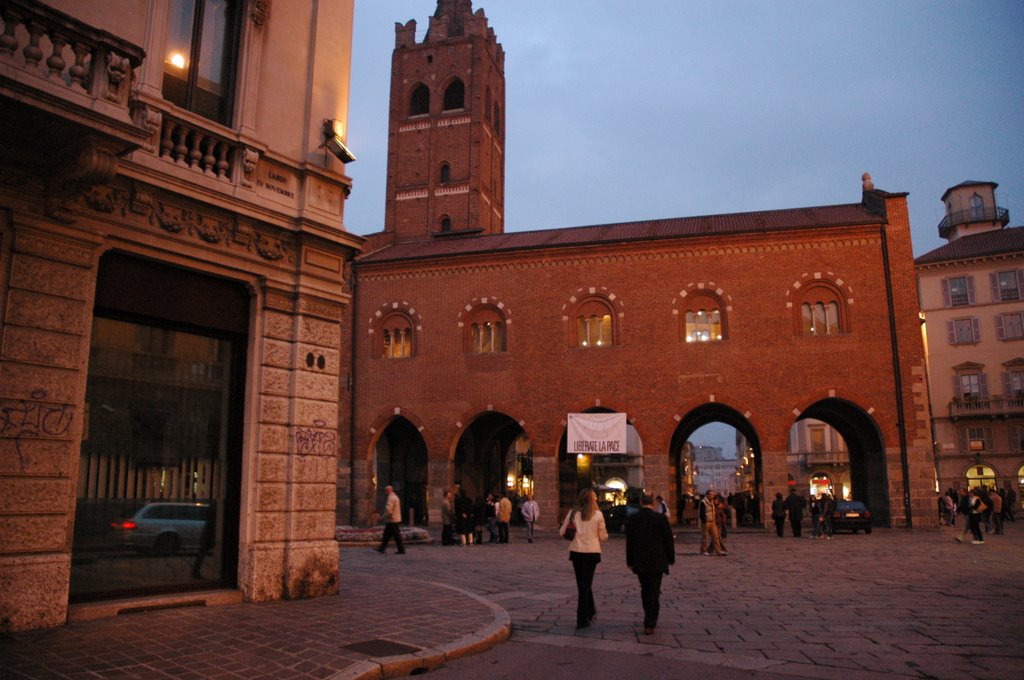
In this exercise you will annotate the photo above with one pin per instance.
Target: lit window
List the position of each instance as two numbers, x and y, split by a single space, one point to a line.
486 330
594 324
199 62
396 337
703 326
821 311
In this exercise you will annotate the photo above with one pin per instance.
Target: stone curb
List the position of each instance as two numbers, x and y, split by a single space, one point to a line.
401 665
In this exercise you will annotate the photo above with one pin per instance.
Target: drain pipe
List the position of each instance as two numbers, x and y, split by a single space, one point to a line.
897 380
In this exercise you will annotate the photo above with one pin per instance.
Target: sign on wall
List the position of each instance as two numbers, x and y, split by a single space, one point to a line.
597 433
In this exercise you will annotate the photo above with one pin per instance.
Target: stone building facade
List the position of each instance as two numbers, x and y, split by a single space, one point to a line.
972 299
172 284
471 345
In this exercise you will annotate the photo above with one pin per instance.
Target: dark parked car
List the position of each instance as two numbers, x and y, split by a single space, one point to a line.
851 516
615 518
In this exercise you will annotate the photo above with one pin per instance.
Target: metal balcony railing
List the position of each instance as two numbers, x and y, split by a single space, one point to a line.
997 214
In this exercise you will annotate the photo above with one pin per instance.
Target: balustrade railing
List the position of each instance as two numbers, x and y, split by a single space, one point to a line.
65 51
986 408
959 217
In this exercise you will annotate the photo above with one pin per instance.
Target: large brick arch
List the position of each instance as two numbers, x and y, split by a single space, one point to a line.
865 443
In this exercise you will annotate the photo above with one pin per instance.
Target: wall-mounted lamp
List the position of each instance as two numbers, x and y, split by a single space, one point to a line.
333 130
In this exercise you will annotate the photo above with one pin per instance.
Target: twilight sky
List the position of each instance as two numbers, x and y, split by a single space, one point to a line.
621 111
629 110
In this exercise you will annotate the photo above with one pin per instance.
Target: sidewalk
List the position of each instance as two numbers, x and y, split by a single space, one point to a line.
379 626
893 604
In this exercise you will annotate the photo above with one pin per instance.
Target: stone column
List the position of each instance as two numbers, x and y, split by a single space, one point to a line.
292 553
545 485
47 301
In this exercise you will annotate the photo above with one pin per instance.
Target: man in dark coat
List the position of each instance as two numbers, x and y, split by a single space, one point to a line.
650 548
795 505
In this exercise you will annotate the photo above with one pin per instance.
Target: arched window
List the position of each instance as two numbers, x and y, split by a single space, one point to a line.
497 118
446 223
397 337
485 331
821 310
595 323
487 104
419 102
977 206
703 319
455 96
446 173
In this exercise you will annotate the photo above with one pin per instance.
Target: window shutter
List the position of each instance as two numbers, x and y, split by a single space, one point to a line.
1007 385
951 331
993 278
957 387
976 329
983 385
965 444
1000 333
970 290
988 438
1020 284
947 300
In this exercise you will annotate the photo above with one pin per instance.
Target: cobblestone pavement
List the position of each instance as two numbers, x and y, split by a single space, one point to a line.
891 604
894 603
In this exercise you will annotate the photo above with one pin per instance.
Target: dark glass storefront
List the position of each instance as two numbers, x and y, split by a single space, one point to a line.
159 474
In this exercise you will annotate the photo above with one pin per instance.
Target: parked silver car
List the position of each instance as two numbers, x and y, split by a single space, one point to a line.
164 528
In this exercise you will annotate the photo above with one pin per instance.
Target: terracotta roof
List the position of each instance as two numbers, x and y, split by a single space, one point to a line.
646 230
995 242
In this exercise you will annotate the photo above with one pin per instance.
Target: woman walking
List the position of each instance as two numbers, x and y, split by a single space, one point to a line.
585 552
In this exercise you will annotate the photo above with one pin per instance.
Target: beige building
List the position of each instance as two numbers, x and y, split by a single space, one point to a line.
172 282
972 302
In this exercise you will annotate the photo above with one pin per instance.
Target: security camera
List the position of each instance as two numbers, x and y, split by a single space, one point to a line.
332 141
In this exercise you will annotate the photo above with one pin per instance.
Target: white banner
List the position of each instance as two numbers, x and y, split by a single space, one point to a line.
597 433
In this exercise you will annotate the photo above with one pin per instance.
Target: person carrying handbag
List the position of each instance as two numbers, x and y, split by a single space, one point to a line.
585 552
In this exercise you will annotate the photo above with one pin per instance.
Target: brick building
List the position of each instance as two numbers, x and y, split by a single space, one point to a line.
172 263
972 297
471 345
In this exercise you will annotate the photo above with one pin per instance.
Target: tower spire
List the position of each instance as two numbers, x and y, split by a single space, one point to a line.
446 136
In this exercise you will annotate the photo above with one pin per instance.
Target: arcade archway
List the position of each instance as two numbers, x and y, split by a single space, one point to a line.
494 455
744 465
401 461
613 476
869 479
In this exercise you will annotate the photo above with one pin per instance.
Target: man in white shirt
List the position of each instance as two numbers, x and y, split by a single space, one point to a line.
531 513
393 518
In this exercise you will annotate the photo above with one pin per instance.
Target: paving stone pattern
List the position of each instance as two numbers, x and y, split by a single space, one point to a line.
892 604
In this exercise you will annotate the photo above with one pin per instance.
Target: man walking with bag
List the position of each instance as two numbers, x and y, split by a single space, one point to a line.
650 549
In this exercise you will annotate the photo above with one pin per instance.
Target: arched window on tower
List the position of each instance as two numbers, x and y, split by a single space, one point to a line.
595 323
419 102
446 173
497 118
821 310
487 104
397 339
446 223
455 96
703 318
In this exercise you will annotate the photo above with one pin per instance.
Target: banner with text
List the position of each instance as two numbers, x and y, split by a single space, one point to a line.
597 433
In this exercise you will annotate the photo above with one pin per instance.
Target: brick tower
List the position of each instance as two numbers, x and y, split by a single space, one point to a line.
446 143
